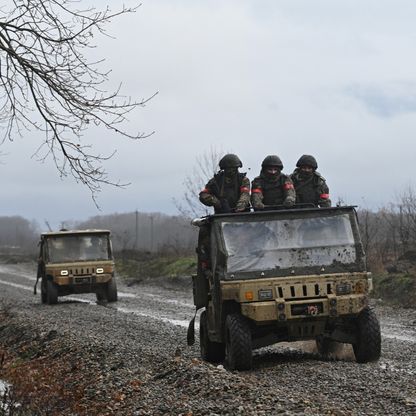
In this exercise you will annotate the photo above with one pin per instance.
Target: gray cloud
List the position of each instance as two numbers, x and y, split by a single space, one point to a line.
386 100
252 77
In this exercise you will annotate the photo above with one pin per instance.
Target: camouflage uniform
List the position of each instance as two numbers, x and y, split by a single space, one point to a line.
310 187
272 190
228 190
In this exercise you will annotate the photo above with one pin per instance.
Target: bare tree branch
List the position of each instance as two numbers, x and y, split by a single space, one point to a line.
48 84
205 168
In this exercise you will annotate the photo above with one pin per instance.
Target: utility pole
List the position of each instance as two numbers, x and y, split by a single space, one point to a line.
136 240
151 233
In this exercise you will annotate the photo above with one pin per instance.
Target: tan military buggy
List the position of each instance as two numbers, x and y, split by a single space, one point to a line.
79 261
284 275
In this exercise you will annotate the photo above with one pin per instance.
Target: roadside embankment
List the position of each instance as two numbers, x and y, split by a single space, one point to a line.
395 289
135 266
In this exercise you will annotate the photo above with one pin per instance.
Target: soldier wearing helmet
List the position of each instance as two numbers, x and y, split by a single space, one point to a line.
310 186
272 187
229 189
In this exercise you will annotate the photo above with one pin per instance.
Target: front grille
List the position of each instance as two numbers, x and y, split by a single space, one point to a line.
305 331
301 291
82 271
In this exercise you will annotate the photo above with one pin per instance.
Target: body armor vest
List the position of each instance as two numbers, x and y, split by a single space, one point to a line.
273 193
228 188
307 189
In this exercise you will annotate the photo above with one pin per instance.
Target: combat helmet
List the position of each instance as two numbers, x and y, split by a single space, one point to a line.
230 160
272 160
307 160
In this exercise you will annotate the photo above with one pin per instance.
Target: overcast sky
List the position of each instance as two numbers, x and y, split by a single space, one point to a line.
336 79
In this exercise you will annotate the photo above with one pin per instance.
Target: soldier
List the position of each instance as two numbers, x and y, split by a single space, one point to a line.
229 189
310 186
272 187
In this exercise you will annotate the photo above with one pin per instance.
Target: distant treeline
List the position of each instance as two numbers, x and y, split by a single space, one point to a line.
388 234
152 232
149 232
18 235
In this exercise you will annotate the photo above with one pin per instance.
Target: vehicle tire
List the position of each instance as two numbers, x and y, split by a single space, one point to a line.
238 345
43 291
111 290
368 345
101 293
51 293
213 352
325 346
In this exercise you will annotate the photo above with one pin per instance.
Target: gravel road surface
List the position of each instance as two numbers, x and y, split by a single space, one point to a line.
131 358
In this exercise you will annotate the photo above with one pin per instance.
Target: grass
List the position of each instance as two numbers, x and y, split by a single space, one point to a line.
396 289
136 265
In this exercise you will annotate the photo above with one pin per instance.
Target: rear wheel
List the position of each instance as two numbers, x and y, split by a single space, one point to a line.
51 293
368 345
238 345
212 352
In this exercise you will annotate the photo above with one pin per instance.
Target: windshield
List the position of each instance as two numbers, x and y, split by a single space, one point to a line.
288 243
78 247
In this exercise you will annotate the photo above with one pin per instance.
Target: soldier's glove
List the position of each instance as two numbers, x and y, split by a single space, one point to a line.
287 203
217 204
259 206
324 203
240 208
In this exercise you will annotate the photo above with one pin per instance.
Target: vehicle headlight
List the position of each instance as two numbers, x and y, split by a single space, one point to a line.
265 294
343 288
100 270
64 272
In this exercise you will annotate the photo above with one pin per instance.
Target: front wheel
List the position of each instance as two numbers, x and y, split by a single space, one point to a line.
238 344
213 352
368 345
51 293
325 346
43 291
111 290
101 293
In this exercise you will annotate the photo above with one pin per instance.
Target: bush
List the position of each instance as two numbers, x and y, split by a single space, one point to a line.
397 289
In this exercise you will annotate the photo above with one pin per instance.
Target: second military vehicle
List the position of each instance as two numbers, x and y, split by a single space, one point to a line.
79 261
283 275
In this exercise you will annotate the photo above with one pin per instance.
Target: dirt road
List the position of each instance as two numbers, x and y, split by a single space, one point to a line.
131 357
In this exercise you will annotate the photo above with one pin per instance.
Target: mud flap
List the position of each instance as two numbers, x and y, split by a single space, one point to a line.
190 336
35 287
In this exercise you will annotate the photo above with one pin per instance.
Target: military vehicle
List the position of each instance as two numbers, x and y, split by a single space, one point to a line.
282 275
78 261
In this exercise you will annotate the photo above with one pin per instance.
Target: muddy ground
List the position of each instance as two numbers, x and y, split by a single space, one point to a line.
131 358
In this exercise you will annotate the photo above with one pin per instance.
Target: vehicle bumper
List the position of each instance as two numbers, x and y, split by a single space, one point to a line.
282 310
82 280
